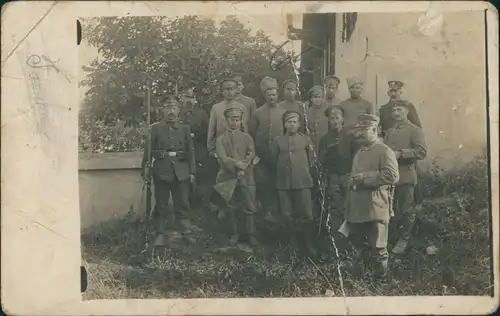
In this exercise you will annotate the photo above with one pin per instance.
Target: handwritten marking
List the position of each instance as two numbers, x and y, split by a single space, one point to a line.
34 62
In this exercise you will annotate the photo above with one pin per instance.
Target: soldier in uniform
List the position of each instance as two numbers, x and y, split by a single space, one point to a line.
197 119
385 111
387 121
408 143
335 154
266 126
368 207
173 169
294 155
332 86
355 105
243 99
317 122
290 103
218 123
235 153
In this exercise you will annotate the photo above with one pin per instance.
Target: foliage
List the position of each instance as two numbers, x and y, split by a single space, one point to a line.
461 266
187 51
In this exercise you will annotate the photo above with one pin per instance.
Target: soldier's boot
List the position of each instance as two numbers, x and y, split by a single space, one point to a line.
159 240
406 228
250 230
310 241
381 266
187 230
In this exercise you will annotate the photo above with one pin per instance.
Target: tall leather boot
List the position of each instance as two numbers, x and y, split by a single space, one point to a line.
381 267
310 241
250 232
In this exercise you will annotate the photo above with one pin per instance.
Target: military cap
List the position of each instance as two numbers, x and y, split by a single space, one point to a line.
232 112
332 77
287 81
268 83
237 77
331 108
290 114
353 81
367 120
400 103
395 84
316 89
169 99
228 79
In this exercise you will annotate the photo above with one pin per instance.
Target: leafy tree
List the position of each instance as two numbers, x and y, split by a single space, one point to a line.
170 52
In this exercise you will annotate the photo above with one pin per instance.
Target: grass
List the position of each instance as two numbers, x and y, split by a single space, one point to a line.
455 220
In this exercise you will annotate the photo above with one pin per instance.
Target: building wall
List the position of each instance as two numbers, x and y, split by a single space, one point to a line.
110 186
444 75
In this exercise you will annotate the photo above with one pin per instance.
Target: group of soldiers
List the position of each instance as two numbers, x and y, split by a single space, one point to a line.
283 153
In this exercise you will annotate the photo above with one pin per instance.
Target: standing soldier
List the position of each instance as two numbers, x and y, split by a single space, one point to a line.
387 121
235 153
407 141
317 122
218 123
266 126
290 103
243 99
385 111
368 207
335 154
173 169
294 155
332 86
197 119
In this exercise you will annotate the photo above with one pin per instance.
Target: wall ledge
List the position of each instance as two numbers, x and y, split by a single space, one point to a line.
109 161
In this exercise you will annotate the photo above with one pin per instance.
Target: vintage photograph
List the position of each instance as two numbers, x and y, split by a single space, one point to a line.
296 155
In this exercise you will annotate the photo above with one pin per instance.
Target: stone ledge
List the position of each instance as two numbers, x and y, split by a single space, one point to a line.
109 161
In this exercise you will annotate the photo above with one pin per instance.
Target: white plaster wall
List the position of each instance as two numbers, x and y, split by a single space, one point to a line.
444 75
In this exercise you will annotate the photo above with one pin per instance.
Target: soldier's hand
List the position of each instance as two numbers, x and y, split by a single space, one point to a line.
398 154
240 174
192 178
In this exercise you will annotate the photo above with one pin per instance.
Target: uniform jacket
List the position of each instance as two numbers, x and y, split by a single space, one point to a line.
217 124
197 119
336 151
371 201
353 108
409 139
295 106
294 157
317 123
172 138
332 102
249 103
235 151
266 125
386 120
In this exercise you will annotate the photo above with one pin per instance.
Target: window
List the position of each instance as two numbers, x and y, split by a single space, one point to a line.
348 25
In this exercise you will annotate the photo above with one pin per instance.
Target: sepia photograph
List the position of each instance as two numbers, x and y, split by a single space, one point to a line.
340 154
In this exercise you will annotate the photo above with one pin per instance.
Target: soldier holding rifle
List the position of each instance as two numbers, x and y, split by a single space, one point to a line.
173 169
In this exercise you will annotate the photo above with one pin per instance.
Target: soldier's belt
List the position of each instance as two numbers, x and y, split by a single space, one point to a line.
162 154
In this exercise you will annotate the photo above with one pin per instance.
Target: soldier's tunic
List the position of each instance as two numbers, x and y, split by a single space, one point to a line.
294 156
235 151
217 124
332 102
368 205
409 139
298 107
335 155
353 108
317 123
197 119
249 103
386 120
265 127
174 162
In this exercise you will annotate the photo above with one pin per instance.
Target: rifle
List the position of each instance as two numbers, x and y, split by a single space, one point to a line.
147 171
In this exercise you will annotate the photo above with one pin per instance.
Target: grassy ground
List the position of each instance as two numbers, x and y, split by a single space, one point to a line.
449 255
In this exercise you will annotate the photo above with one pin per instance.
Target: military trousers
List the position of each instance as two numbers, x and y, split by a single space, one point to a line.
242 210
296 205
266 192
404 216
370 238
180 195
336 194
